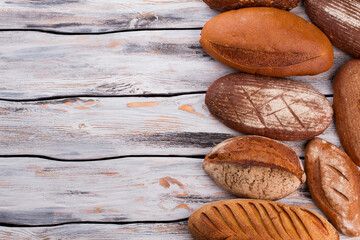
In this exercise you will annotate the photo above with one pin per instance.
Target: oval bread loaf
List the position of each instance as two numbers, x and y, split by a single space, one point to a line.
333 181
243 219
281 109
347 108
225 5
339 20
267 41
255 167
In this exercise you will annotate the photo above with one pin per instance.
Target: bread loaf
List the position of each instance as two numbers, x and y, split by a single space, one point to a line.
339 20
258 220
255 167
334 182
267 41
277 108
347 108
225 5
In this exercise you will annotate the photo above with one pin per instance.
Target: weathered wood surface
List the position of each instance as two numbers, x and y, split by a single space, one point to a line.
178 230
91 128
37 191
34 64
84 16
158 231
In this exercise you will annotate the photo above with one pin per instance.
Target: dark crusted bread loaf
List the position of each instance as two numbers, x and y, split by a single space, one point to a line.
277 108
225 5
243 219
339 20
267 41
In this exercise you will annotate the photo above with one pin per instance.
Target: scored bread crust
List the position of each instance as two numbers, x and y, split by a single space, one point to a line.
247 219
225 5
256 40
333 181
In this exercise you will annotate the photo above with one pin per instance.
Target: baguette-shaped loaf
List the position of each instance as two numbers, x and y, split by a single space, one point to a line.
281 109
339 20
243 219
334 182
347 108
255 167
267 41
225 5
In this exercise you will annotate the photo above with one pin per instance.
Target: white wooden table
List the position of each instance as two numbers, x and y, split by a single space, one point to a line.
103 123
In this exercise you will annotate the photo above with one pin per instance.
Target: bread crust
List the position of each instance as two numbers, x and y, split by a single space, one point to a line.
249 219
281 109
347 108
255 167
267 41
333 181
226 5
339 20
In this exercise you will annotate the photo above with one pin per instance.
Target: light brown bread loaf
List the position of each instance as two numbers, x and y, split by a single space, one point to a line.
334 182
347 108
267 41
243 219
225 5
339 20
281 109
255 167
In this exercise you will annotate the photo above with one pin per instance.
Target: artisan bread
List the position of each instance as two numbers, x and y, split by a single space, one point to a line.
339 20
281 109
334 182
244 219
347 108
255 167
225 5
267 41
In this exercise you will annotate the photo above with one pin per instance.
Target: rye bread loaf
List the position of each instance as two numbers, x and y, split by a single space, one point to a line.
267 41
255 167
334 182
339 20
281 109
246 219
225 5
347 108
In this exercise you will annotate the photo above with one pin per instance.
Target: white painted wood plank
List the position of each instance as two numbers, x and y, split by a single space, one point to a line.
90 128
37 191
105 15
167 231
100 232
34 64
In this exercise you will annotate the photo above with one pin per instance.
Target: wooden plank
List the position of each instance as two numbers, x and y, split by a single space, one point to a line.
91 128
178 230
158 231
37 191
34 65
84 16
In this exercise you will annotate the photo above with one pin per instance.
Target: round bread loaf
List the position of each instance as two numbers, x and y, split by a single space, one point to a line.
225 5
255 167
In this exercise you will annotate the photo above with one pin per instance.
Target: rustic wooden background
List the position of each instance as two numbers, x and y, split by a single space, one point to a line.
103 124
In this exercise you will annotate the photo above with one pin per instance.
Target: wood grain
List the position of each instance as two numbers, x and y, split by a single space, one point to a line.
178 230
84 16
35 65
138 231
91 128
37 191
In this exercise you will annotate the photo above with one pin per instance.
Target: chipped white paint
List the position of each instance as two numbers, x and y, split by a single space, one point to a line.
88 128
